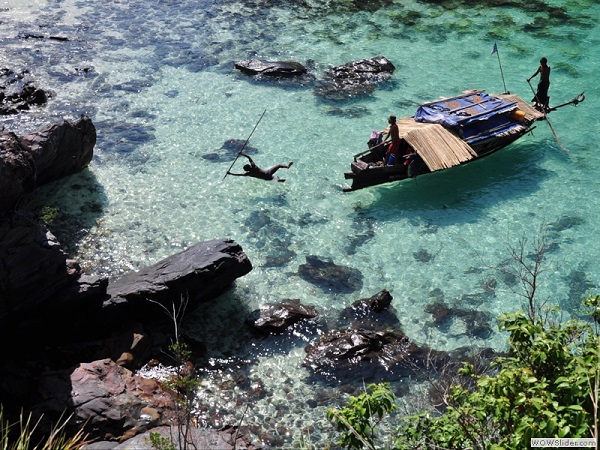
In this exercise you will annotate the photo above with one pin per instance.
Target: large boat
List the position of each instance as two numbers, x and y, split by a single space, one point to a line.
446 133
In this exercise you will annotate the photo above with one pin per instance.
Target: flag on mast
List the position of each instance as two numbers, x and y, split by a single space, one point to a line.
495 50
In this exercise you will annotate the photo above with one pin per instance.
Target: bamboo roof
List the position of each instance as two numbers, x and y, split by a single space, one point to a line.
438 148
531 113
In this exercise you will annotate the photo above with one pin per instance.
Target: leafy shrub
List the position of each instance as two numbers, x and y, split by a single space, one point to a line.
358 421
543 387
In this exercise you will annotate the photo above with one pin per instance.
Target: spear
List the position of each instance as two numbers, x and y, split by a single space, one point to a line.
245 143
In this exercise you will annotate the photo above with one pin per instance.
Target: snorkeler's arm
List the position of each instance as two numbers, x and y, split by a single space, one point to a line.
237 174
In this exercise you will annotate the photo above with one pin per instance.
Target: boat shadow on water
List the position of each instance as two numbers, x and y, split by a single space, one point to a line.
467 190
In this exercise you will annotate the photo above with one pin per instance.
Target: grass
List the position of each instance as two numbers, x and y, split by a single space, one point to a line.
20 435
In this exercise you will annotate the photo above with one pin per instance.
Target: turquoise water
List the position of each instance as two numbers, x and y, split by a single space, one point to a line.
166 100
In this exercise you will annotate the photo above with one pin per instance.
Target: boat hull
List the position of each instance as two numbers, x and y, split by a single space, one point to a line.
368 169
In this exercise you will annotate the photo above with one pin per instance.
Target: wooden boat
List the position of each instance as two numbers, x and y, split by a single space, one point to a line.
448 133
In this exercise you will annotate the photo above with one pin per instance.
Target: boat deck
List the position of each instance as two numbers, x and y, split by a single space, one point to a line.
531 114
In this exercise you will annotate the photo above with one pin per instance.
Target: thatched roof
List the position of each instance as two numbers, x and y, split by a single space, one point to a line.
531 114
439 148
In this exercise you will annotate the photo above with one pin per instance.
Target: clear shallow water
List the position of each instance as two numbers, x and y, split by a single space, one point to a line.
162 91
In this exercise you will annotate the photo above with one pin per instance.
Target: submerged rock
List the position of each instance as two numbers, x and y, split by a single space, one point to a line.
369 355
330 277
355 78
277 317
283 69
423 256
477 323
229 150
18 92
370 313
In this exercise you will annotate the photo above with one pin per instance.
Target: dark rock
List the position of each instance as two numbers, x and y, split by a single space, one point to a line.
55 316
355 78
83 288
378 302
277 317
330 277
283 69
53 152
198 274
106 400
369 355
18 92
374 356
25 248
80 324
131 347
17 172
370 313
61 149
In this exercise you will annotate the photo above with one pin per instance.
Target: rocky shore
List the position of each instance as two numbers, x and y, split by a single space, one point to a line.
74 339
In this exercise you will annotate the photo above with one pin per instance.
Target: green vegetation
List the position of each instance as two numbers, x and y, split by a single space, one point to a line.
545 385
49 214
19 436
358 421
159 442
184 384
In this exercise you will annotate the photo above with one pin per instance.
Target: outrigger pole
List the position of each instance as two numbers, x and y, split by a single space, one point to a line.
546 115
245 143
575 101
495 50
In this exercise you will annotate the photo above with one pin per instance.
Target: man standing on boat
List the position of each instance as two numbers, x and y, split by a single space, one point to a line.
392 155
541 99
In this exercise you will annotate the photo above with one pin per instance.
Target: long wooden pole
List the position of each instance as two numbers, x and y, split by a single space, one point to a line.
500 64
245 143
546 118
